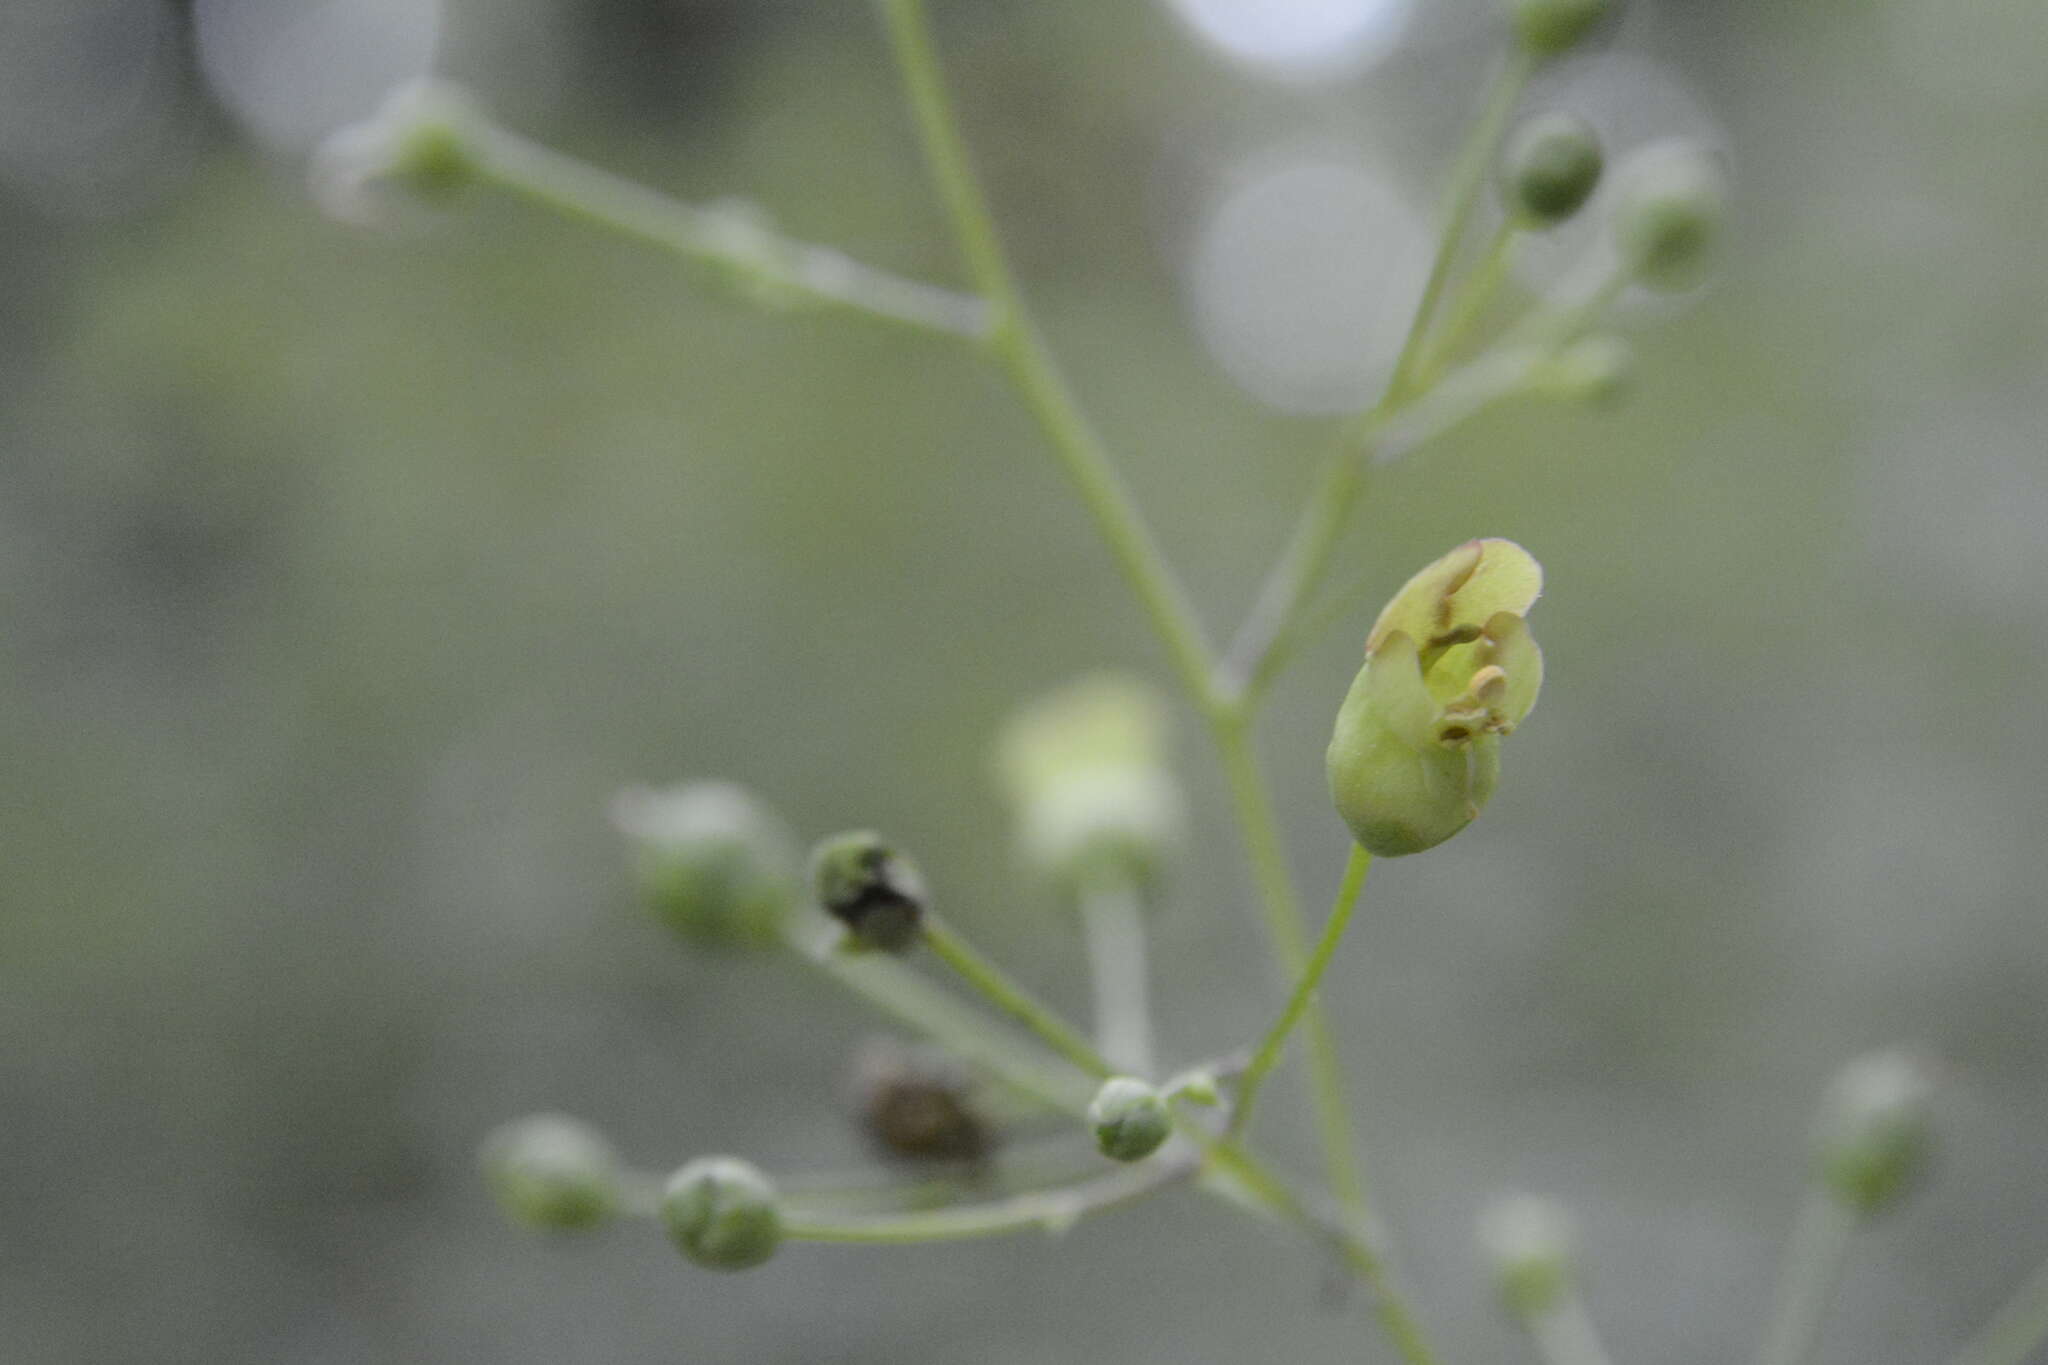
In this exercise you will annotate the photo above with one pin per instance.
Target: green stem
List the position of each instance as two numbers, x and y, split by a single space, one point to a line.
1470 302
1298 1001
1113 924
1468 178
908 998
995 985
1813 1267
1254 806
2016 1330
1014 343
1039 1210
755 255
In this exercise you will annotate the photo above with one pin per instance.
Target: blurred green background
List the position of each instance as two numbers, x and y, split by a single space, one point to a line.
344 576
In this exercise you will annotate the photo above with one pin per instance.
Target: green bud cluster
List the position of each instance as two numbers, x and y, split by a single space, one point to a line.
877 893
1550 167
1549 28
1129 1118
1450 670
722 1213
1875 1132
552 1172
1086 771
1668 214
1528 1243
714 863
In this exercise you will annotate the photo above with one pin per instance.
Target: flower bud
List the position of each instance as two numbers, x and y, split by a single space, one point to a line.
722 1213
1450 670
1086 771
1875 1133
422 144
1528 1243
1129 1118
916 1104
714 863
1547 28
1550 168
1668 215
876 892
551 1171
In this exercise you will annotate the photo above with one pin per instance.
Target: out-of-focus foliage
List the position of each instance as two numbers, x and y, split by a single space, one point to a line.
344 580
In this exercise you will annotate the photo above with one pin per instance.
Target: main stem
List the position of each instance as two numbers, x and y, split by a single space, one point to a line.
1015 344
1284 925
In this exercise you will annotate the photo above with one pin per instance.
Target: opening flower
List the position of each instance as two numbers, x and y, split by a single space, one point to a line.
1450 670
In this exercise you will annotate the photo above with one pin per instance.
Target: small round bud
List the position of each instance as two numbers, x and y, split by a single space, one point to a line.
1129 1118
1086 768
1196 1087
421 143
1875 1132
876 892
1550 168
714 863
1668 215
1547 28
722 1213
553 1172
1528 1243
916 1105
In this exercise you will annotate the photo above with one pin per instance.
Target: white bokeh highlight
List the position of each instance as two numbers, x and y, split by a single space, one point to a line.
1299 39
295 70
1302 277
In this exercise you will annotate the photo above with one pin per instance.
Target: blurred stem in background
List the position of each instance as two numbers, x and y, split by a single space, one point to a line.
1813 1267
1112 923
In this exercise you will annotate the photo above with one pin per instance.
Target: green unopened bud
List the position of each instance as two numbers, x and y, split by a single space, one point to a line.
1450 670
1668 214
1086 770
722 1213
1130 1119
1546 28
876 892
713 862
1875 1132
1595 369
551 1171
1528 1243
1550 168
422 144
1199 1086
917 1104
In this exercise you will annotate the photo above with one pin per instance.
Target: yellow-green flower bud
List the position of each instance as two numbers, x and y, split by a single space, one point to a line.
876 892
1450 670
1875 1133
1129 1118
713 862
916 1104
553 1172
422 143
1528 1244
1086 771
1550 167
1668 214
722 1213
1546 28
